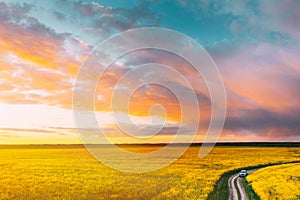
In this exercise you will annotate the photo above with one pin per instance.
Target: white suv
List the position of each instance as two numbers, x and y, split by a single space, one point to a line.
243 173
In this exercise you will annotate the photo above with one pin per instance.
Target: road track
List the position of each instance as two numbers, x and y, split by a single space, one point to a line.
237 193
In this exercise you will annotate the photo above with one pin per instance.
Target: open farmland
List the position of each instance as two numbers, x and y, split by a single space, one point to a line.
277 182
70 172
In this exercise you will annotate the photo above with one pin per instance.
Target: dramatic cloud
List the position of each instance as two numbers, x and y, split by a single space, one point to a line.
256 46
37 64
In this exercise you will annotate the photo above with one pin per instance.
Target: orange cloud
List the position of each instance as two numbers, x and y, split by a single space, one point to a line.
34 57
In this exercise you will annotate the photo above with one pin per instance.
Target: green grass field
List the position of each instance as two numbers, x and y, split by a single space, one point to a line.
70 172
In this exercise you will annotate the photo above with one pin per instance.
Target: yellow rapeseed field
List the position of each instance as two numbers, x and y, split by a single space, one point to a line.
70 172
277 182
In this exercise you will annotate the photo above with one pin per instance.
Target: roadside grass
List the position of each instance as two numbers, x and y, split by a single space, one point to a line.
221 190
249 190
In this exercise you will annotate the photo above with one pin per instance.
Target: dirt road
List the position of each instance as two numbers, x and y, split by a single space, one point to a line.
236 189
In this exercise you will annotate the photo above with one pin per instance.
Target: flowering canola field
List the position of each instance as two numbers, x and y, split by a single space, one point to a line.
277 182
70 172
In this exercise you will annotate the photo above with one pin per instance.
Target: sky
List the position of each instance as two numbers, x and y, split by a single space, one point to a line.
255 45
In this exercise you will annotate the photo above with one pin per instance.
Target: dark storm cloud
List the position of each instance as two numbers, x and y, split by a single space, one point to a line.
261 121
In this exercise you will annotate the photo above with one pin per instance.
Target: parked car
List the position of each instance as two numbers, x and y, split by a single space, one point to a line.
243 173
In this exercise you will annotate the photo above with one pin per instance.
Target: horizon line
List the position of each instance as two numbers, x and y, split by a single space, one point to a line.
191 144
